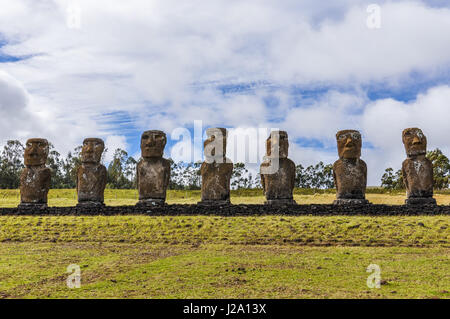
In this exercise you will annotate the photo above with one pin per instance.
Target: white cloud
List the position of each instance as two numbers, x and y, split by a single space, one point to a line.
112 143
384 120
161 62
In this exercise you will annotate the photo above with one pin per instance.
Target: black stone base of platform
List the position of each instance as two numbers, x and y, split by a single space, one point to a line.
351 201
280 202
151 202
420 201
89 204
214 203
32 206
235 210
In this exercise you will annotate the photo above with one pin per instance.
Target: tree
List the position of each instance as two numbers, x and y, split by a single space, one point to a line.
327 179
300 177
119 171
391 180
55 163
191 176
11 164
70 167
441 168
387 180
240 176
317 176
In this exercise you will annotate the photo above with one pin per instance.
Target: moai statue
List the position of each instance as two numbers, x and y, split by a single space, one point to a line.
278 171
417 170
91 175
153 171
349 171
35 178
216 170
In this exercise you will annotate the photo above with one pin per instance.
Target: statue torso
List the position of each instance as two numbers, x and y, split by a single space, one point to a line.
34 184
350 178
153 178
279 185
418 177
91 182
216 180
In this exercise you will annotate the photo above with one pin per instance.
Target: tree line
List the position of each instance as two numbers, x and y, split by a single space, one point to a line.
121 171
441 172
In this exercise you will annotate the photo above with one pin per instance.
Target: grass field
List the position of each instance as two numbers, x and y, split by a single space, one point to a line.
223 257
118 270
116 197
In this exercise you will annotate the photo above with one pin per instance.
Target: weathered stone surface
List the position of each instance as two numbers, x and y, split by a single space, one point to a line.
35 178
278 171
349 171
417 170
153 171
237 210
216 170
350 201
91 175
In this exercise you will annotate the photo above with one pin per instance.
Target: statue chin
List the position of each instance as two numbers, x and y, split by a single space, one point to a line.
34 162
416 152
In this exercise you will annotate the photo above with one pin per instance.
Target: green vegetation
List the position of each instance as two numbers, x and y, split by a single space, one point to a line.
38 270
223 257
116 197
420 231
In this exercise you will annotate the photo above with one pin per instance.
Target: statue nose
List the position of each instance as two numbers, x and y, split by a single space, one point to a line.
348 141
416 140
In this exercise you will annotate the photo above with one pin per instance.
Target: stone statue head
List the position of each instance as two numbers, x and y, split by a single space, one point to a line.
415 142
215 146
153 143
277 139
92 150
36 152
349 144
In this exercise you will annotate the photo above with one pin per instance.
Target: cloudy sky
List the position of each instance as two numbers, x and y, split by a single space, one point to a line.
75 69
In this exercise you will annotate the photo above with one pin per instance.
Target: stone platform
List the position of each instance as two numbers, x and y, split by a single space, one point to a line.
236 210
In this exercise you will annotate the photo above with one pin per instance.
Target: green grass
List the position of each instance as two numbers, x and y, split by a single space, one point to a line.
111 270
417 231
116 197
223 257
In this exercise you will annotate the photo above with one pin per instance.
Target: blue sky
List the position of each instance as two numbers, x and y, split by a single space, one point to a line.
72 69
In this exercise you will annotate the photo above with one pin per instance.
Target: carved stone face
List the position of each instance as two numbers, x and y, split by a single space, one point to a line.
277 139
36 152
153 143
215 146
415 142
92 150
349 144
